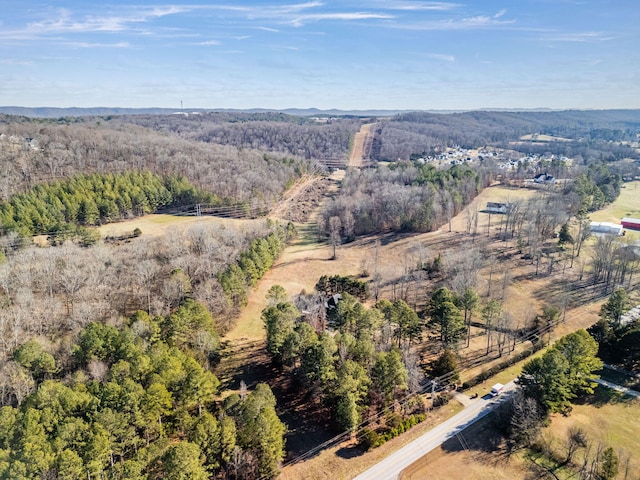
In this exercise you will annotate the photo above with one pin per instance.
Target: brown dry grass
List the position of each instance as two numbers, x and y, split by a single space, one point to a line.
309 257
158 224
357 149
608 419
477 463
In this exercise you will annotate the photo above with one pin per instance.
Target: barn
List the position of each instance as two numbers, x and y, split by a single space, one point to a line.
631 223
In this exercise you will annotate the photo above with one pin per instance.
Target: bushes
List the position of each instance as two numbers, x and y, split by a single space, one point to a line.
397 425
481 377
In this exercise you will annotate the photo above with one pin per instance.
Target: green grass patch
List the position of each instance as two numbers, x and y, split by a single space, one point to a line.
626 205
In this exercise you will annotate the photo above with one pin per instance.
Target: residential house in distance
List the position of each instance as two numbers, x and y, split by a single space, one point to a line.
544 179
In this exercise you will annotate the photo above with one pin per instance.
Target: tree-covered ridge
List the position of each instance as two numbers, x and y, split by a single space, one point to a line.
402 197
135 403
593 135
270 131
40 151
95 199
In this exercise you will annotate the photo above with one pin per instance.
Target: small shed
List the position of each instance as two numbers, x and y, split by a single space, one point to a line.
497 207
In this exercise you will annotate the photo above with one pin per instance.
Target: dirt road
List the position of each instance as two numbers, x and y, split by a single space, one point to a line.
356 158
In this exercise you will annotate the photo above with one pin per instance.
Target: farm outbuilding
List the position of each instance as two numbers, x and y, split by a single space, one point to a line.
496 207
606 227
631 223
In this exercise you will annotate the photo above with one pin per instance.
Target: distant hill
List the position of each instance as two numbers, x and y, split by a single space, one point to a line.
55 112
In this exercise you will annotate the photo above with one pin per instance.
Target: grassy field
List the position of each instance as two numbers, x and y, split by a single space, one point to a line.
538 137
626 205
158 224
309 257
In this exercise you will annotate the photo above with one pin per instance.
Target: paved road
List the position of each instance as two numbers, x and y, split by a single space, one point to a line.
391 467
618 388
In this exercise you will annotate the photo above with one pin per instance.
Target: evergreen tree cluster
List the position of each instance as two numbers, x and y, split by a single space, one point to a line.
137 403
252 264
338 284
87 200
563 373
618 340
596 188
358 368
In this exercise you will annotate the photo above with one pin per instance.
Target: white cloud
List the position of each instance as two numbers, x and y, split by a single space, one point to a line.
268 29
97 45
469 23
16 61
578 37
341 16
210 43
440 56
420 6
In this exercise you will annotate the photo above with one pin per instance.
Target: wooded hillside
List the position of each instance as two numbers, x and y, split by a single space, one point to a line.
584 133
38 151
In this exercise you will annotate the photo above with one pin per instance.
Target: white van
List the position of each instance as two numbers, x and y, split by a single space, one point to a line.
497 389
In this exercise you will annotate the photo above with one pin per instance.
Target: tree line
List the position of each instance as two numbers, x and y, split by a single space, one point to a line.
134 402
88 200
400 197
252 264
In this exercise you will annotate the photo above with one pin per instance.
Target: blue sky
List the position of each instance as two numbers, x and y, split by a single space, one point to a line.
350 54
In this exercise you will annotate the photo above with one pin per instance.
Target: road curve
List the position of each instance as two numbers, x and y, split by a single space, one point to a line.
391 467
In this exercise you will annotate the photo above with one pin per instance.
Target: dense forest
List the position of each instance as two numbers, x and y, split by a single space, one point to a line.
274 132
49 291
134 402
401 197
38 151
366 366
